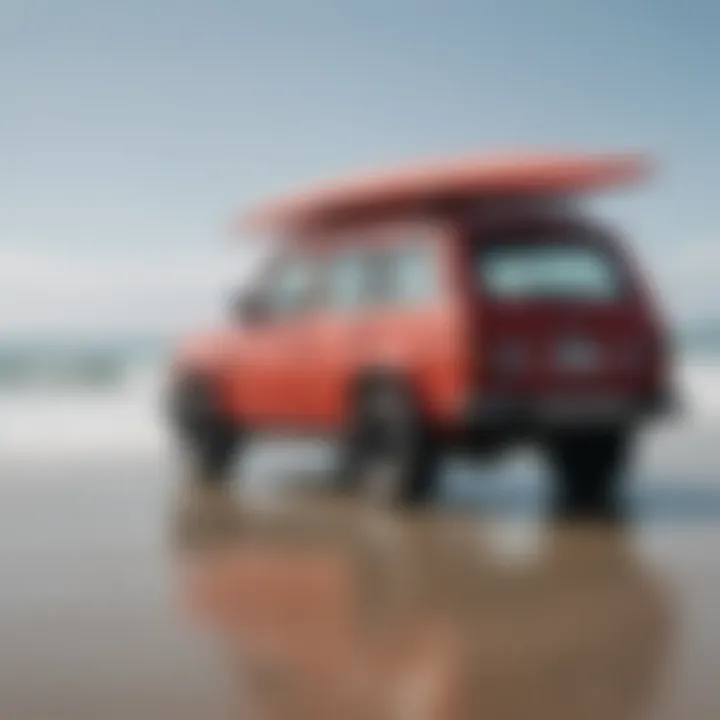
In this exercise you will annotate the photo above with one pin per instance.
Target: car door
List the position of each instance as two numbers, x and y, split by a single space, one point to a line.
267 374
406 323
382 307
327 341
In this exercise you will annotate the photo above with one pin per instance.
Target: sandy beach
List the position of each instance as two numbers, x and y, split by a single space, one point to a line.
109 560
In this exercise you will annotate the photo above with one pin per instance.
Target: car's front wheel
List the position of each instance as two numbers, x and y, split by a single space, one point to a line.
209 440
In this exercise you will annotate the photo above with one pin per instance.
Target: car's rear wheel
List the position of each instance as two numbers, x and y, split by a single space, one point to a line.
209 439
588 472
388 455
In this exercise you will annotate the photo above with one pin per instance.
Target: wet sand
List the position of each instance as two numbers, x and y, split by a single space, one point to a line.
125 594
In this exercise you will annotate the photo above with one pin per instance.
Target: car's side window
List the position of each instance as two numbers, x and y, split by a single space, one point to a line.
404 274
416 273
291 286
346 279
372 277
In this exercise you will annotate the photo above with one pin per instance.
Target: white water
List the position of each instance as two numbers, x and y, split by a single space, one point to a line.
84 422
699 383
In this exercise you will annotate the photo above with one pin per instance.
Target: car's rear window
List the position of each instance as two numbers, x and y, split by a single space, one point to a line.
553 268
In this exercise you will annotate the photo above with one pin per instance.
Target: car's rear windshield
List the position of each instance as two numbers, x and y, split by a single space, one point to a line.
552 268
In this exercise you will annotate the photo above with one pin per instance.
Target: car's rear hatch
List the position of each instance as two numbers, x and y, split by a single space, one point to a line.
559 312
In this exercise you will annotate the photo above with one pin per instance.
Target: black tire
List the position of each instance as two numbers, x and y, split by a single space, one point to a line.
209 439
386 434
213 451
589 468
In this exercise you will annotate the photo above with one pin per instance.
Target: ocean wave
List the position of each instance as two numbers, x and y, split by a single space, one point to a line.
698 382
57 370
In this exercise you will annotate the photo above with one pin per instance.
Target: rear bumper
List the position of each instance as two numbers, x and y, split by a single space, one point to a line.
525 415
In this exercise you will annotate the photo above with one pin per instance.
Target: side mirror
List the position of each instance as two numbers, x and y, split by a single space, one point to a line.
248 307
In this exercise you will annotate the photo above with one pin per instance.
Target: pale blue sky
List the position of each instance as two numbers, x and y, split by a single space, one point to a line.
132 127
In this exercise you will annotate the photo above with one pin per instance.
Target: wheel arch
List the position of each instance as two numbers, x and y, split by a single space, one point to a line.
369 377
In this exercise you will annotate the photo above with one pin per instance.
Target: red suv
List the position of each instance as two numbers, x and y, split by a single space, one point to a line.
466 304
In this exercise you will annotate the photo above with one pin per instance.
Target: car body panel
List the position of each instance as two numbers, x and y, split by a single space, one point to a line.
300 370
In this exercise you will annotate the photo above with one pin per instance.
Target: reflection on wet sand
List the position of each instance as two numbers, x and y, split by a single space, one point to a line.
326 609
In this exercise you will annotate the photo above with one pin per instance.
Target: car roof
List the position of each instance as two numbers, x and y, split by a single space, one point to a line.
422 187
